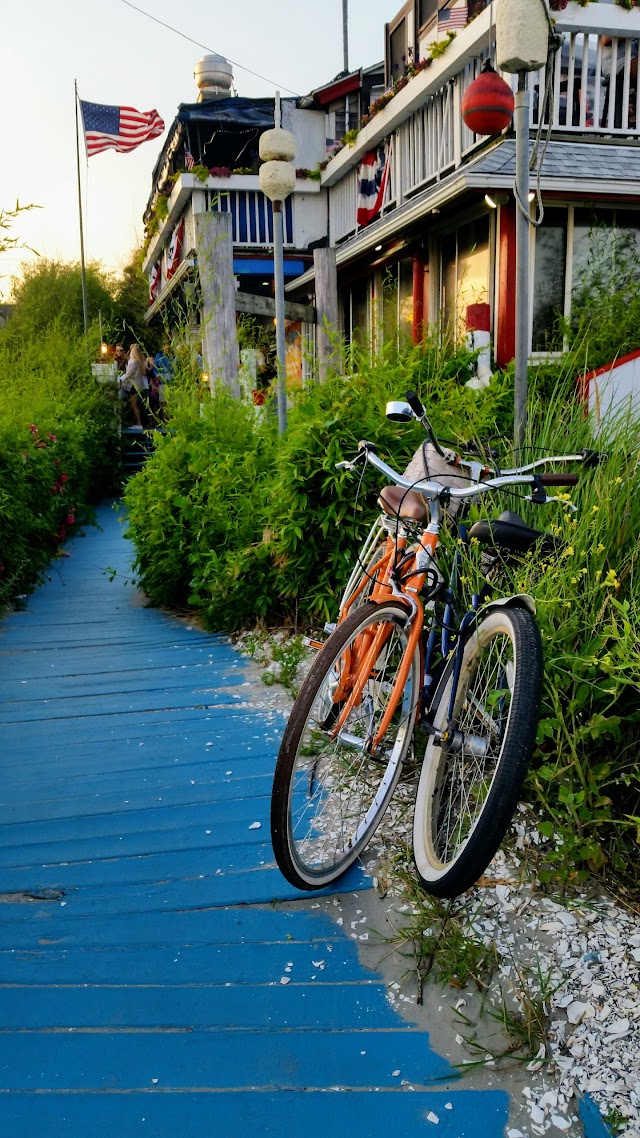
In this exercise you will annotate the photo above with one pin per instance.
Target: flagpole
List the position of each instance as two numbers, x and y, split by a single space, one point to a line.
85 310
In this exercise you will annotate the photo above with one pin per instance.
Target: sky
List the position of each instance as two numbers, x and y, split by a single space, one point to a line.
119 56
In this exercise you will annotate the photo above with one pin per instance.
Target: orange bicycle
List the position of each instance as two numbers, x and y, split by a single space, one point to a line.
406 652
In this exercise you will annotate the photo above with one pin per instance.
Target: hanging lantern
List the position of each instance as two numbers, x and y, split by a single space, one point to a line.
487 104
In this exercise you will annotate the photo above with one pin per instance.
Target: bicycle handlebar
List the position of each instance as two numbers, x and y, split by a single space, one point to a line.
433 490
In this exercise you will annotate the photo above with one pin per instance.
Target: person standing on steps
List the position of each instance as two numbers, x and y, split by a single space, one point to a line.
134 383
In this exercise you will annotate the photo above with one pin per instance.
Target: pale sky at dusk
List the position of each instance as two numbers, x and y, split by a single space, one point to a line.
119 56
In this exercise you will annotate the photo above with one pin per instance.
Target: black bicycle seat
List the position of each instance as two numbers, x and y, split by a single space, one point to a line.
510 531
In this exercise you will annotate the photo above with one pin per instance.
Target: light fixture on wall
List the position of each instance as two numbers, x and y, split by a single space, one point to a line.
377 248
532 195
494 200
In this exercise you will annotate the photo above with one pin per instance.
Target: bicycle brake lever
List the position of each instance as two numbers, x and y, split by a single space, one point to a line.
541 502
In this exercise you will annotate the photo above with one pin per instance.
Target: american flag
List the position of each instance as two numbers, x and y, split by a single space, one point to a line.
120 128
453 17
188 160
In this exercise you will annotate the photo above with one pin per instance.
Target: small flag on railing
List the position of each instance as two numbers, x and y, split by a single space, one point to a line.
117 128
188 160
453 18
372 183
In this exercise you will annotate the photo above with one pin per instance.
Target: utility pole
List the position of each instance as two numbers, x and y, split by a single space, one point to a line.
345 35
521 123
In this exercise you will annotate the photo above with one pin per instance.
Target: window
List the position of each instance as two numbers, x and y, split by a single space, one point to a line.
549 281
397 302
398 50
465 273
427 10
606 247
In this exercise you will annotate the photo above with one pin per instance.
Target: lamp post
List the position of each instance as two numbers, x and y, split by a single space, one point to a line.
277 180
522 45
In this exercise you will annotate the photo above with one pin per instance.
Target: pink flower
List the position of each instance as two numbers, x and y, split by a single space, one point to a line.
33 428
63 477
53 438
70 520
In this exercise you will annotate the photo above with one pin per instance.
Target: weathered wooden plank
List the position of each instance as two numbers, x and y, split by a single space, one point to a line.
201 1059
49 926
271 1007
314 1114
184 964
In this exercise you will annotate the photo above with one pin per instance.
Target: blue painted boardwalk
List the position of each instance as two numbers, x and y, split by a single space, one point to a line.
141 952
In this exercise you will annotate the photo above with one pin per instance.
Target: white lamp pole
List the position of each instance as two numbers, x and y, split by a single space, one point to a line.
277 180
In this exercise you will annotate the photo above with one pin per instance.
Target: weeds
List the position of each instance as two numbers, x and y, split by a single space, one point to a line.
438 938
281 653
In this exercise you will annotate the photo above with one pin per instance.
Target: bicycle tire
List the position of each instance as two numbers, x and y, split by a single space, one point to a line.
329 795
450 851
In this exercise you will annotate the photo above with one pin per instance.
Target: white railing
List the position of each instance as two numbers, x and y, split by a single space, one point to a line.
595 88
594 83
343 206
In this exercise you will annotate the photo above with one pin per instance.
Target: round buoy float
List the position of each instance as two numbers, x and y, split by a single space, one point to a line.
487 104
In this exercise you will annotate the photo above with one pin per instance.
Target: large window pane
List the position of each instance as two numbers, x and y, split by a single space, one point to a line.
360 312
465 273
549 278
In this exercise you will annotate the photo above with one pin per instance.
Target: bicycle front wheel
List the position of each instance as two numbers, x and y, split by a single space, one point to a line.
332 784
470 783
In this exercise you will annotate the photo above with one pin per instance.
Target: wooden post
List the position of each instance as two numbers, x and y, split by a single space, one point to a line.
214 248
324 261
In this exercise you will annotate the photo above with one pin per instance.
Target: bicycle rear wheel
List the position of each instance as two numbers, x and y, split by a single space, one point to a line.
331 790
470 784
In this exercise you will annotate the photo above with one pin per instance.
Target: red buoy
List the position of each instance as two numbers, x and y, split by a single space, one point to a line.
487 104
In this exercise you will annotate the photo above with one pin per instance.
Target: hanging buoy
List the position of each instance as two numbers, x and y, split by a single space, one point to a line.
487 104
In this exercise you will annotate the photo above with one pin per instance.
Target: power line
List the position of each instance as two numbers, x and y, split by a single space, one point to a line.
278 86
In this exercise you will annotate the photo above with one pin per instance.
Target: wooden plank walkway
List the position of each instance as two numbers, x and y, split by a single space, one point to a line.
148 983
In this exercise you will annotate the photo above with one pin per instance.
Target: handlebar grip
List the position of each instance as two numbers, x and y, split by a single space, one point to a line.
415 404
563 478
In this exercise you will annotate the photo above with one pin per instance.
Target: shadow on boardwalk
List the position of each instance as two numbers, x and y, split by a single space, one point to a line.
149 983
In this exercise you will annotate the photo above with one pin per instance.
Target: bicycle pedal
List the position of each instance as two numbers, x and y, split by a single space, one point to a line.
330 627
309 642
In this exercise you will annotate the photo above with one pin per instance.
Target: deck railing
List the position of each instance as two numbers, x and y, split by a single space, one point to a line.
595 86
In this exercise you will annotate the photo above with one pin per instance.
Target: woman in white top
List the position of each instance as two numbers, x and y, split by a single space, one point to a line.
134 382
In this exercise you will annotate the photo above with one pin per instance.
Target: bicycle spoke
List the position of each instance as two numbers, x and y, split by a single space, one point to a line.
480 714
336 781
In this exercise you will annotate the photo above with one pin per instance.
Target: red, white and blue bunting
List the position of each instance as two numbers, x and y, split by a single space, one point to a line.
155 278
174 256
372 183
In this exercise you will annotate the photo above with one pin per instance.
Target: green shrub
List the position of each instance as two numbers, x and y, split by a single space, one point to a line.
196 511
244 526
57 451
